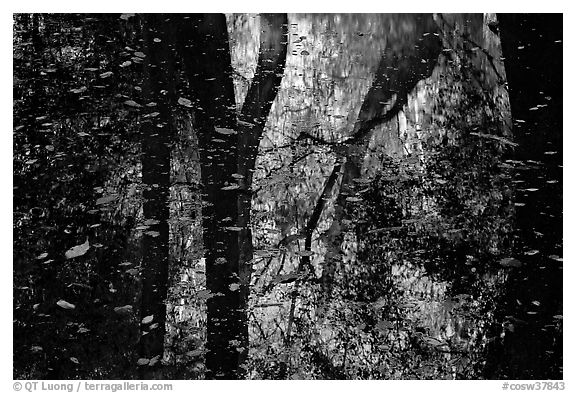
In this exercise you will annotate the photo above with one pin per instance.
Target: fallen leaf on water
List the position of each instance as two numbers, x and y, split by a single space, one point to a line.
510 262
154 360
105 199
204 294
74 360
78 90
185 102
124 310
132 103
147 320
224 131
78 250
143 361
246 124
65 305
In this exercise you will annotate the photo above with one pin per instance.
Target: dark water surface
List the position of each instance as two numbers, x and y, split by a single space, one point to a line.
356 196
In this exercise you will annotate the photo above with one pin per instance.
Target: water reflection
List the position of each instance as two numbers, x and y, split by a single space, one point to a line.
424 249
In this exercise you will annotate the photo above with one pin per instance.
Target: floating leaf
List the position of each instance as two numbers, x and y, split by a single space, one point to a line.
494 137
354 199
105 199
531 252
74 360
143 361
79 90
234 287
42 256
225 131
132 103
139 54
204 294
126 63
78 250
83 330
65 305
185 102
154 360
133 272
124 311
231 187
126 16
152 233
106 74
510 262
147 320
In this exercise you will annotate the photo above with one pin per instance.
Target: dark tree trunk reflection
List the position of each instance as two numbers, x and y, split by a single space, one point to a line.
157 129
205 51
531 45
